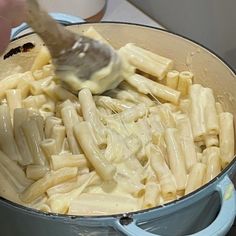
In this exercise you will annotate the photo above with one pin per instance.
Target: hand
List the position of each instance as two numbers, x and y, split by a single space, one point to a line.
12 13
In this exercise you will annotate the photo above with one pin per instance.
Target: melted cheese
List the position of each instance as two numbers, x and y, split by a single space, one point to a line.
105 79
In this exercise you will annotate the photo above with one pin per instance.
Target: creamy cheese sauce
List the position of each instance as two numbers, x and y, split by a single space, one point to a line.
105 79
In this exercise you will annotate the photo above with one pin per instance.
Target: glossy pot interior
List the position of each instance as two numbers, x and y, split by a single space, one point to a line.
208 69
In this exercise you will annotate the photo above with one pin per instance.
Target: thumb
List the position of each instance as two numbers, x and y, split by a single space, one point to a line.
5 33
13 10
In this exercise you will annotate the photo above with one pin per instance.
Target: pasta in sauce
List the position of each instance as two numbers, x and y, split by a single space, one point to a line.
137 146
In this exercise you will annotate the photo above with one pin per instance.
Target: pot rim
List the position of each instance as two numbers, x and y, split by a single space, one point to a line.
177 201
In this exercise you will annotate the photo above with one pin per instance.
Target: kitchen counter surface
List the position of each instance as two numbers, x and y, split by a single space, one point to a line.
122 10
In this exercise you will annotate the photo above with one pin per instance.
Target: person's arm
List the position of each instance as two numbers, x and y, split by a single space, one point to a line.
12 13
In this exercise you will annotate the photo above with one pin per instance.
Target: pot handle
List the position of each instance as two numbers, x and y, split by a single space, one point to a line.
63 19
220 226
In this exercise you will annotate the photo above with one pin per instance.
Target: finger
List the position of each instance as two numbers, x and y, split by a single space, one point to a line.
13 10
5 33
20 14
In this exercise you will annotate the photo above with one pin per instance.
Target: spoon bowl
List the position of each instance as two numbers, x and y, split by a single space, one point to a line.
76 58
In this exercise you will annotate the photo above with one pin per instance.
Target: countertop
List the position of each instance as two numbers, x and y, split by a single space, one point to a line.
122 10
117 10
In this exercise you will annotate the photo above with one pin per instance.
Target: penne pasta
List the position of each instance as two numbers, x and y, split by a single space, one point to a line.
45 71
186 138
130 177
37 74
146 86
48 106
142 130
7 189
112 104
49 90
219 108
70 118
84 134
199 157
37 87
154 64
203 113
9 82
226 137
176 158
44 207
71 184
184 105
172 79
185 81
163 173
68 160
40 124
156 124
41 59
14 172
33 138
130 185
131 97
60 203
7 141
211 140
83 171
58 134
30 103
64 187
195 178
102 204
50 122
116 150
62 94
19 117
151 196
38 202
49 148
36 172
210 113
196 112
90 114
132 114
14 99
24 84
45 114
211 157
166 116
65 146
49 180
128 92
48 70
34 102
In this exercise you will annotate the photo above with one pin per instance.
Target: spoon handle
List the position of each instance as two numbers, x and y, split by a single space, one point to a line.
54 35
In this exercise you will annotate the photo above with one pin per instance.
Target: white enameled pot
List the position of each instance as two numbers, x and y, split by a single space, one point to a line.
206 212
